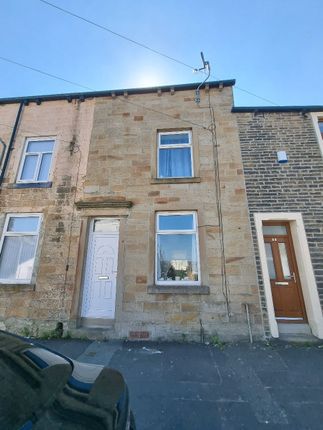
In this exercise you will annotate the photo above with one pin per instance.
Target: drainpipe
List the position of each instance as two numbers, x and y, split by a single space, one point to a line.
4 147
12 139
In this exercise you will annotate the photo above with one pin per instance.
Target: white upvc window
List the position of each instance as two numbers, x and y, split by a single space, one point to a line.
317 118
18 247
36 162
177 249
320 125
175 156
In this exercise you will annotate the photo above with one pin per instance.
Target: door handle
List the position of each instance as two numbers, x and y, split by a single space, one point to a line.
293 276
281 283
103 277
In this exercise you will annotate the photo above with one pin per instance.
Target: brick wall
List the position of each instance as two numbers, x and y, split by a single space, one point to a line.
293 187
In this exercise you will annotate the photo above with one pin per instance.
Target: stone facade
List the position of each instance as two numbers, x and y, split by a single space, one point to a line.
46 300
296 186
113 174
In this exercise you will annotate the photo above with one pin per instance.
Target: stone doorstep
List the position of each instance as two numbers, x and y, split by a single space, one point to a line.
97 323
296 333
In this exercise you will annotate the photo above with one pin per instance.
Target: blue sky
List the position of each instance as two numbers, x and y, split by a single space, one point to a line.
273 48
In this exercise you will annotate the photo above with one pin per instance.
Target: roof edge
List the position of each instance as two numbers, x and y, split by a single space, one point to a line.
255 109
108 93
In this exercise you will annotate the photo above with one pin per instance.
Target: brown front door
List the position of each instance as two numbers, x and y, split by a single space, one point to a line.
284 279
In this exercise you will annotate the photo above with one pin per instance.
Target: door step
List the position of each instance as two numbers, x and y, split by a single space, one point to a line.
94 323
290 328
296 333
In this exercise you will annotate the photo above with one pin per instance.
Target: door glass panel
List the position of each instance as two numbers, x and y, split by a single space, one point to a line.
272 230
284 260
270 261
105 225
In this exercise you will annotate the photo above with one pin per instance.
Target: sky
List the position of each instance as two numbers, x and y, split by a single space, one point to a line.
273 48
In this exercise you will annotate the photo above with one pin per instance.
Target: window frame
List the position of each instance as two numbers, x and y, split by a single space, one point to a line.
37 169
184 231
6 233
320 120
316 117
179 145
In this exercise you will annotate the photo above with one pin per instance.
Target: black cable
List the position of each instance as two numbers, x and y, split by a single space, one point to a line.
31 133
163 113
8 60
128 39
142 45
224 279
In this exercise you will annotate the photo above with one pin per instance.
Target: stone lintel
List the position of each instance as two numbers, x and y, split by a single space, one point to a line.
104 203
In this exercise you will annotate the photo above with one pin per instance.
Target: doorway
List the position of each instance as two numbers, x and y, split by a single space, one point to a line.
283 273
99 287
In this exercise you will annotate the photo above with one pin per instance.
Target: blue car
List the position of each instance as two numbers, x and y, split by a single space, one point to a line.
44 390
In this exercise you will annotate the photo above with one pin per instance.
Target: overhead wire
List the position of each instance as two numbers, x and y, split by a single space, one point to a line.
145 46
119 98
8 60
128 39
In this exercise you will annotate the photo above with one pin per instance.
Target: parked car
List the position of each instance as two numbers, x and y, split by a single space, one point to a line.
42 389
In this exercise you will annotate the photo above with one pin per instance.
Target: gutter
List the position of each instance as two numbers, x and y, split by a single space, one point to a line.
263 109
113 93
11 142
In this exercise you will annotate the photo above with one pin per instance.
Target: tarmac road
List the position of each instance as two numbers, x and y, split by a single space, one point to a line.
186 386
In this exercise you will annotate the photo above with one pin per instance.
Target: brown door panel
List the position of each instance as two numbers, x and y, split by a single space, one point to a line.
285 283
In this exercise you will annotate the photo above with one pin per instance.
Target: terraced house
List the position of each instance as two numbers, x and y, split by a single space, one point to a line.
282 150
124 214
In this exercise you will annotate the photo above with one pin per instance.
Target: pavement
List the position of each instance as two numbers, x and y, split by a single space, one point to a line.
190 386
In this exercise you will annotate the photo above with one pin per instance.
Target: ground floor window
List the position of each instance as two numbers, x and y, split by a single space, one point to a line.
177 253
18 247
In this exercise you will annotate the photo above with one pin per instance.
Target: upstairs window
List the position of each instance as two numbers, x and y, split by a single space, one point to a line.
177 254
175 158
320 123
36 161
18 247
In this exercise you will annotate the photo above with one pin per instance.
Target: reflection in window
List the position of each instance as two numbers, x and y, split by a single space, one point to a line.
284 260
177 257
270 261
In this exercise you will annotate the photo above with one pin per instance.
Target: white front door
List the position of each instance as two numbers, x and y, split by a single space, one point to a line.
99 290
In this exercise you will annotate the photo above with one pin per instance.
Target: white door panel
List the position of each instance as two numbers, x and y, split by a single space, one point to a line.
99 290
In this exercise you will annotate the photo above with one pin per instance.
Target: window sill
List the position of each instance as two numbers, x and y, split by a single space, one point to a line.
17 287
175 180
177 289
31 185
